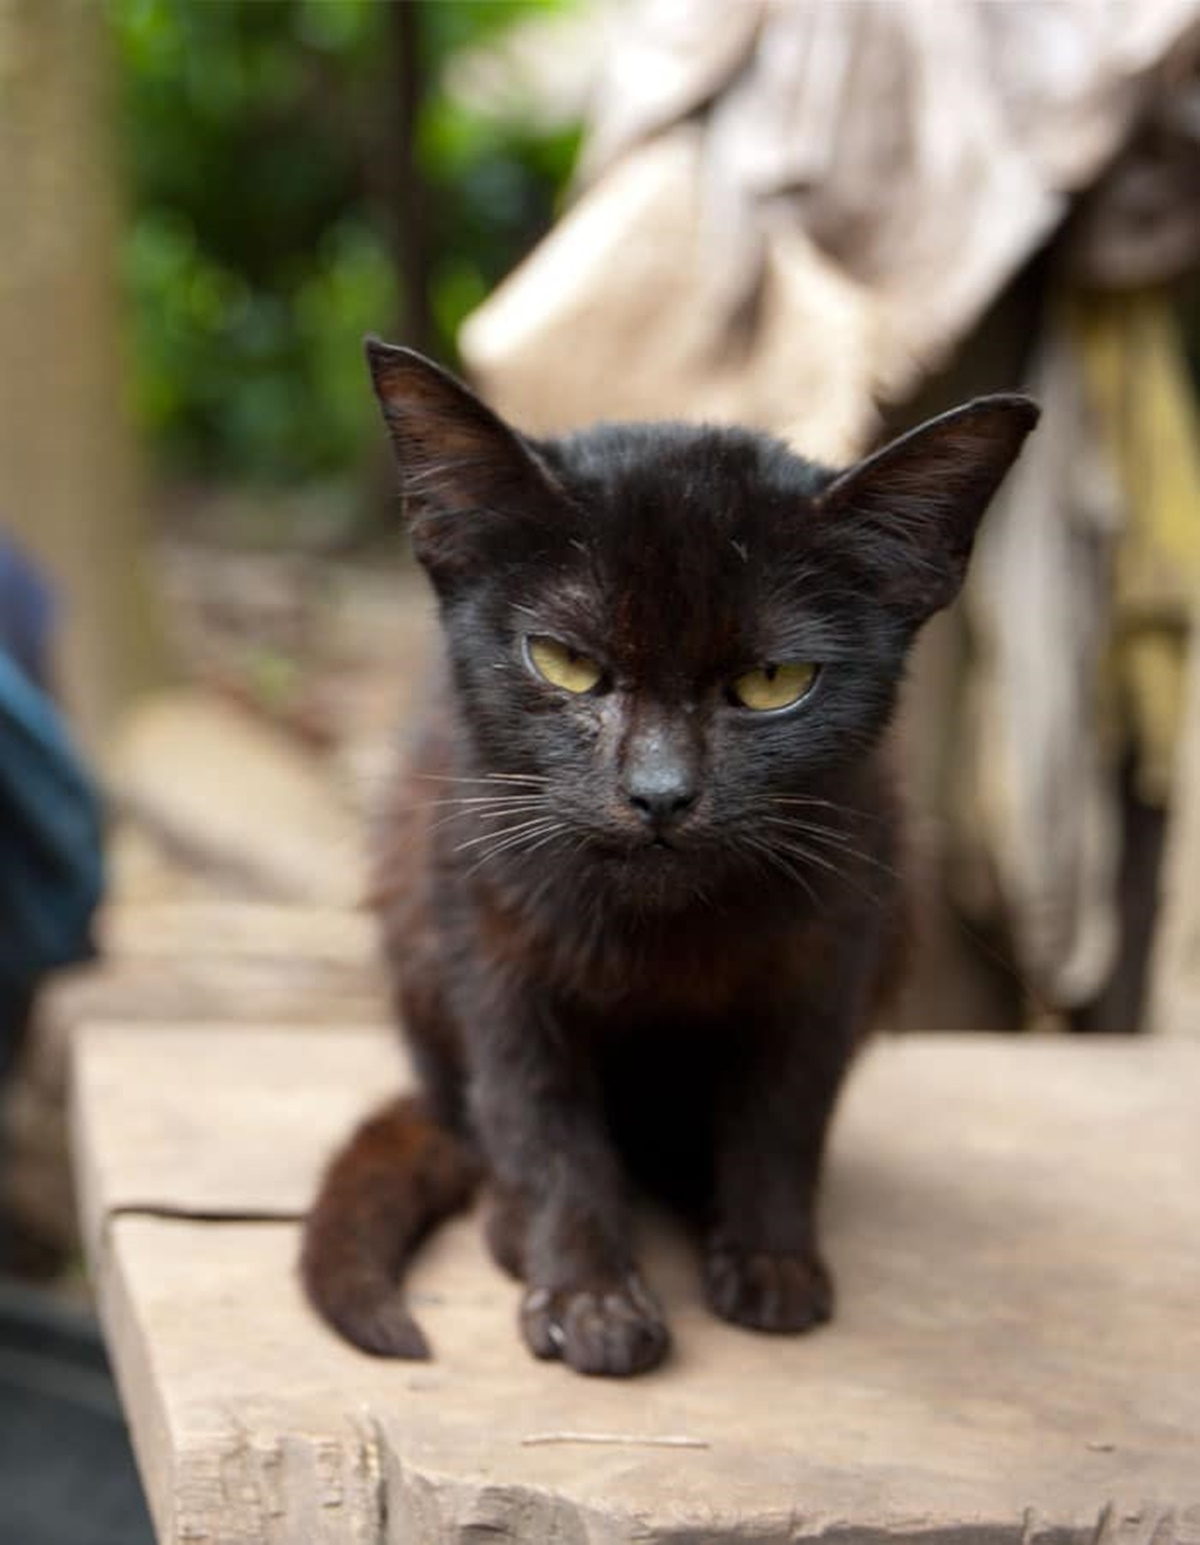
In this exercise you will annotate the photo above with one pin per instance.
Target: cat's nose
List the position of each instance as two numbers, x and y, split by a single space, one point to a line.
660 767
661 796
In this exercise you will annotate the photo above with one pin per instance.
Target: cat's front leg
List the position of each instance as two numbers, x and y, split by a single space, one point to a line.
559 1213
762 1266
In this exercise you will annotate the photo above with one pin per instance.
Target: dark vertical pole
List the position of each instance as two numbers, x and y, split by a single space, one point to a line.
410 194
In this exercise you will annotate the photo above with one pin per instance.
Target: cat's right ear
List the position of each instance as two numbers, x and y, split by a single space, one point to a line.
911 510
464 473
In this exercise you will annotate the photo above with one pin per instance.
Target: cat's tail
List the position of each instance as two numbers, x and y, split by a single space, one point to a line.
399 1175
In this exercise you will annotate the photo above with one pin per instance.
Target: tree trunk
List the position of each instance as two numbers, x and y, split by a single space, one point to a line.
68 479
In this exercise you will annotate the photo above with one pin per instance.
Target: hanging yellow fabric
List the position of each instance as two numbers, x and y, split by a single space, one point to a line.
1140 392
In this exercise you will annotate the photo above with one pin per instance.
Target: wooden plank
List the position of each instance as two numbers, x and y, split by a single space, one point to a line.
217 1119
1016 1230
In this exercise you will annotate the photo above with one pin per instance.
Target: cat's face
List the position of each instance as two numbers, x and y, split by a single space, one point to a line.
672 645
672 654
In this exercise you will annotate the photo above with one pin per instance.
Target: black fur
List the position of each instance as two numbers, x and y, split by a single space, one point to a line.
640 929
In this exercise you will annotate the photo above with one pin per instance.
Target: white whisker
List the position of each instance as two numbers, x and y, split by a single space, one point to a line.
523 839
782 866
493 777
526 808
842 844
505 831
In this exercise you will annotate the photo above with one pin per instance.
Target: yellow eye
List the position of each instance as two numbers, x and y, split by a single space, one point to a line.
561 666
774 686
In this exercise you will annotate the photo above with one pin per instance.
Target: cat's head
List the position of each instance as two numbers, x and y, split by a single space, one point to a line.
672 633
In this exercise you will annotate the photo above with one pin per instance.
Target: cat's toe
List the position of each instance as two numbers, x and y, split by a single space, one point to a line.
766 1291
613 1332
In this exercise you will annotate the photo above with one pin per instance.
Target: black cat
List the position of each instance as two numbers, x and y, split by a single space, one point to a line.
641 883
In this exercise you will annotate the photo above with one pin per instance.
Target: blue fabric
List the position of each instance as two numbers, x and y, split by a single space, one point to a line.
51 870
26 612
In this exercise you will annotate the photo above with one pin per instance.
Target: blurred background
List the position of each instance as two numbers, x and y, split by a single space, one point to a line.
821 219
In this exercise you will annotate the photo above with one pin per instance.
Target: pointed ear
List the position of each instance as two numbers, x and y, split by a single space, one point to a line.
462 469
911 510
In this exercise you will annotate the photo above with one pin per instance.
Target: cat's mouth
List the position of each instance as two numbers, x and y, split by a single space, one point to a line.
654 846
648 845
662 847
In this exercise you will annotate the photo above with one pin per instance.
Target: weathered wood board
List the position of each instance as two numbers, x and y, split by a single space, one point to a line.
1015 1225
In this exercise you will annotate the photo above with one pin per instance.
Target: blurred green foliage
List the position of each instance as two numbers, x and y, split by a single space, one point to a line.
262 149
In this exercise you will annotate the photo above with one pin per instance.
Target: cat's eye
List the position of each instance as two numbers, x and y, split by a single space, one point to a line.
562 666
771 687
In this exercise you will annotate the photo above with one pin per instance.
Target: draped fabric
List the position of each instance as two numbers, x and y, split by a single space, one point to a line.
51 871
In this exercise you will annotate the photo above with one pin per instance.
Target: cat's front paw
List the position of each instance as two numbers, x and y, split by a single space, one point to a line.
615 1331
505 1227
768 1291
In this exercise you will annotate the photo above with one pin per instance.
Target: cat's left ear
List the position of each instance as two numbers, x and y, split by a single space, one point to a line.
911 510
466 476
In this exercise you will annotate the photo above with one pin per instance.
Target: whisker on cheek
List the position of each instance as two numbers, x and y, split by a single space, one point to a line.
839 842
521 829
483 816
502 801
523 842
811 801
486 778
806 855
776 860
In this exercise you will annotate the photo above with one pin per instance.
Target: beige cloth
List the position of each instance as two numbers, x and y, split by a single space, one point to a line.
1037 834
792 212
